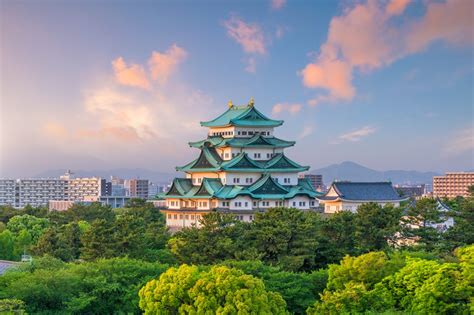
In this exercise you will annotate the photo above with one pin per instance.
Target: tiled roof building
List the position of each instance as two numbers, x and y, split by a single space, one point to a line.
241 168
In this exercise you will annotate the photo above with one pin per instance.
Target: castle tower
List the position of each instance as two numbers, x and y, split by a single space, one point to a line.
241 169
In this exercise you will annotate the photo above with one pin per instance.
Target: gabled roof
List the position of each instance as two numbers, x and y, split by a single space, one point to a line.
363 191
246 115
265 187
208 162
180 186
240 142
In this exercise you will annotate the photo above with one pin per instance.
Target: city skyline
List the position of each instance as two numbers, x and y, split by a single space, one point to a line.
81 89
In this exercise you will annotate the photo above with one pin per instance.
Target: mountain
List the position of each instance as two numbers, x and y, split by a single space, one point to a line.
155 177
355 172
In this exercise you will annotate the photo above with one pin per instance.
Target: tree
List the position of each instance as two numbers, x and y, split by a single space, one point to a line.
33 225
298 289
286 237
99 241
12 306
417 221
105 286
219 238
336 238
461 233
376 225
63 242
221 290
7 245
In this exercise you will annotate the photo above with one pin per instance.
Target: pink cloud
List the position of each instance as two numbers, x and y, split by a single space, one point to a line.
278 4
133 75
162 65
286 107
451 21
396 7
249 35
364 38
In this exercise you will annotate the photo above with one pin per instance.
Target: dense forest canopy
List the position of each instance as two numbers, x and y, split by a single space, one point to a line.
95 260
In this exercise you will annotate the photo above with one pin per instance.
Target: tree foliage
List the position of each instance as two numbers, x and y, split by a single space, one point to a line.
221 290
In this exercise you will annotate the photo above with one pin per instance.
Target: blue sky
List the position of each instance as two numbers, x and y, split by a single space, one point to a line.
102 84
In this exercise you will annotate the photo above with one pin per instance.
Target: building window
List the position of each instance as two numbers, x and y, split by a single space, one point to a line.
169 216
175 216
244 133
286 180
312 203
199 180
186 217
256 155
294 203
236 180
246 204
238 132
238 204
250 132
192 216
226 155
251 217
254 203
181 216
249 180
268 155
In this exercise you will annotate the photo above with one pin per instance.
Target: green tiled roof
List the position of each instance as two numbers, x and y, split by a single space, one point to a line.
255 141
245 116
264 188
208 162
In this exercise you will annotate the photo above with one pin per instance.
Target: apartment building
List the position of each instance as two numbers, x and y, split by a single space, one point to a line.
35 192
453 184
138 188
79 188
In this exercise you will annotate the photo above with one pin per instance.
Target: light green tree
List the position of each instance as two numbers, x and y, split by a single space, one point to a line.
221 290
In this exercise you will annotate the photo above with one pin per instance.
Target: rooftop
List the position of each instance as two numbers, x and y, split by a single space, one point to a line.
245 116
363 191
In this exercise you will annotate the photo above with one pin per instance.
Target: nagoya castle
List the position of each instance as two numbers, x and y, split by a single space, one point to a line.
241 168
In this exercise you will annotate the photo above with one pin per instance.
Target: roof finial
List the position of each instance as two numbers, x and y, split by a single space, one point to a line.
229 103
251 102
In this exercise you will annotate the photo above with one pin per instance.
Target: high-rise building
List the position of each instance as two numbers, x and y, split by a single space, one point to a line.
316 181
138 188
453 184
241 169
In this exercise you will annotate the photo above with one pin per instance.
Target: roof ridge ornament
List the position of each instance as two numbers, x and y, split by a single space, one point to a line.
229 104
251 102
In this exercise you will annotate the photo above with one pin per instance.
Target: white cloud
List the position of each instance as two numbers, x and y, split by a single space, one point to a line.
356 135
163 65
460 142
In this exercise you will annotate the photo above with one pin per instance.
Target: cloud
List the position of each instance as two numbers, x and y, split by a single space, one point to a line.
249 35
163 65
307 131
396 7
356 135
365 38
133 75
277 4
251 65
286 107
460 142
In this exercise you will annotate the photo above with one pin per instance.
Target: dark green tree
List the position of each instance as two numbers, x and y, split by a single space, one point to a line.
376 226
99 241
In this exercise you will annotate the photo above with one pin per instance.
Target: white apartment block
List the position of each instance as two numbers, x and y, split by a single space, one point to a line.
38 192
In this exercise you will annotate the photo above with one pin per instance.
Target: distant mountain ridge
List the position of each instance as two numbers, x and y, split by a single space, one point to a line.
355 172
154 176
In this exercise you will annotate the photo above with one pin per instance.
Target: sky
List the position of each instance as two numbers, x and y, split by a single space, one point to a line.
124 84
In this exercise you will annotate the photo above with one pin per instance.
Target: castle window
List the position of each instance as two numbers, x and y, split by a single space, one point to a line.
236 180
244 133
